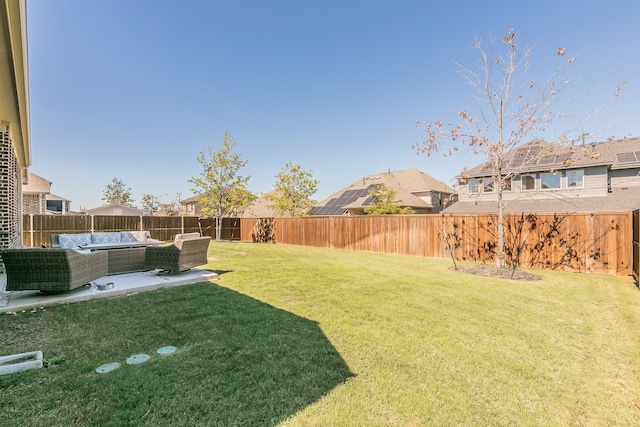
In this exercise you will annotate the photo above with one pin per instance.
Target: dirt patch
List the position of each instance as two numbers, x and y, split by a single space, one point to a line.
501 273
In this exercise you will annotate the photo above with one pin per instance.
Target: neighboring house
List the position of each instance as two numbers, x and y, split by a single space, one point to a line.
591 177
34 194
15 145
256 209
413 189
115 210
190 206
260 207
37 197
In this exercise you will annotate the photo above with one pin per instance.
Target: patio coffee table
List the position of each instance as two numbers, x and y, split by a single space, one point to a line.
124 258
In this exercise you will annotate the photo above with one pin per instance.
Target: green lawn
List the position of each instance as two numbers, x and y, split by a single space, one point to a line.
313 337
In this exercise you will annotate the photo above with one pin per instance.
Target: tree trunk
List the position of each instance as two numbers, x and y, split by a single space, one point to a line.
500 246
218 225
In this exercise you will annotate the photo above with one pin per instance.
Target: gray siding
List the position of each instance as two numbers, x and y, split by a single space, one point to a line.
625 178
595 185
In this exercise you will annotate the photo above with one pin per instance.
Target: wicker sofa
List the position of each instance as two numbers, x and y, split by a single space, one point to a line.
187 251
52 269
102 240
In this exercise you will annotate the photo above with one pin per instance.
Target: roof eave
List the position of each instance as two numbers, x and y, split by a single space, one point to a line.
14 86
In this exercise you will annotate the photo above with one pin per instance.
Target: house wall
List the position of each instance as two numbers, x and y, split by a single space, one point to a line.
10 193
191 208
33 204
427 196
436 199
625 178
595 184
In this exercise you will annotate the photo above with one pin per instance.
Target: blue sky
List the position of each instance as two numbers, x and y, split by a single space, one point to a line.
136 89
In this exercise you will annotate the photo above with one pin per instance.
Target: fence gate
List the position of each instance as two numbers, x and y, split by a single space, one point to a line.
636 245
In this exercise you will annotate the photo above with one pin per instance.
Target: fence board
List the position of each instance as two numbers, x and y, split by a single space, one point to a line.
597 243
635 239
37 229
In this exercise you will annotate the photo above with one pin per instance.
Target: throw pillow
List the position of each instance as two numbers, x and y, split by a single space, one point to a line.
72 241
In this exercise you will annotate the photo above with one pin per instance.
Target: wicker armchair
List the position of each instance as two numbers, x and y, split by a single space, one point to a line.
180 256
51 269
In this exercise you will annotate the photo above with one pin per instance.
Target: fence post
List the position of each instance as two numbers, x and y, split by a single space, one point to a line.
31 229
635 242
182 224
92 225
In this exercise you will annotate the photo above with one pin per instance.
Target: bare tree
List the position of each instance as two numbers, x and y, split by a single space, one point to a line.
153 205
512 109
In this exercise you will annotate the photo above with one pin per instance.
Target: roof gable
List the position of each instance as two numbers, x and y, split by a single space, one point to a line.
118 208
406 184
36 185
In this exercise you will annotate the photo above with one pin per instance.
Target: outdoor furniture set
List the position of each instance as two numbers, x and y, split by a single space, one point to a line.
75 259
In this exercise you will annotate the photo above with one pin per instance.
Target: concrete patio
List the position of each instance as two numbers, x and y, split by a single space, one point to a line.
123 284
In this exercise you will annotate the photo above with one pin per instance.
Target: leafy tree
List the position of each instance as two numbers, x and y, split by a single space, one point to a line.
385 203
117 193
223 190
293 189
511 110
150 203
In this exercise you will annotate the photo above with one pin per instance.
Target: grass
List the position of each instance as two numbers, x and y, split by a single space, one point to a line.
300 336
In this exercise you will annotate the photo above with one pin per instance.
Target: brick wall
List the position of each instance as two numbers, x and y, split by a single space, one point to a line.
10 194
33 204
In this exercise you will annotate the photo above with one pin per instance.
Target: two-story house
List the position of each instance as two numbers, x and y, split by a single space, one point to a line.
590 177
413 189
37 198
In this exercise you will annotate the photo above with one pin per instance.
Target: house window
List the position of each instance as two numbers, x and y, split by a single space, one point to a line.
473 185
575 178
487 185
550 180
528 181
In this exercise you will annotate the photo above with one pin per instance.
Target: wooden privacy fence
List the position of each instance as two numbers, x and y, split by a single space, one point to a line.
636 245
37 229
596 243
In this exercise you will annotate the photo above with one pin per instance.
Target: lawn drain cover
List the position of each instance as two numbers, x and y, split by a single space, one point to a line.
166 350
137 359
108 367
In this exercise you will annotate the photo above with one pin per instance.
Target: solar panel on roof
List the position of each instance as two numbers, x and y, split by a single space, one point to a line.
524 155
516 162
630 157
336 205
547 160
563 158
368 201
